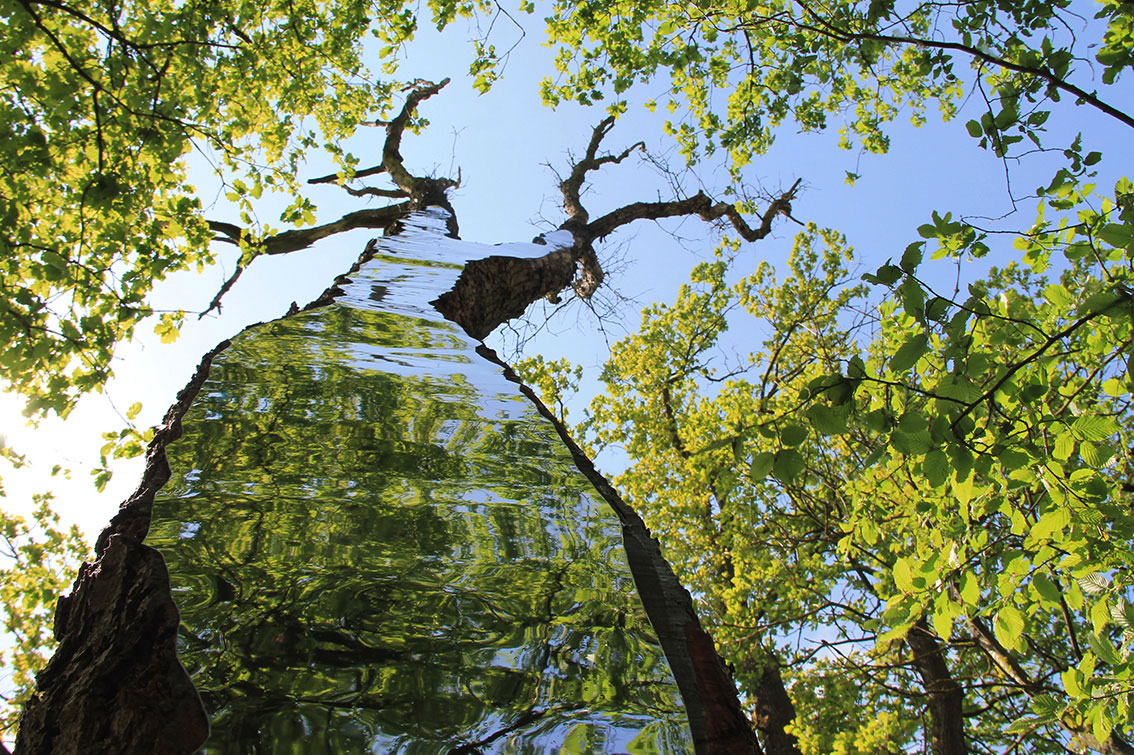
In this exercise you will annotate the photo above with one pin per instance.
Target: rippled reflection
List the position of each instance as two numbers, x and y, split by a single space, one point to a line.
379 547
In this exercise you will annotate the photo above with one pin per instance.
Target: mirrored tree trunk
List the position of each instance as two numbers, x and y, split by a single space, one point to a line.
378 545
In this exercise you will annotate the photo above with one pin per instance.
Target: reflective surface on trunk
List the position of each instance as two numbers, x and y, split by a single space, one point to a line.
379 546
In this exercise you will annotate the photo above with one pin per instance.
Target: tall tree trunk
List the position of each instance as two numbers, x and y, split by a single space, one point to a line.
946 698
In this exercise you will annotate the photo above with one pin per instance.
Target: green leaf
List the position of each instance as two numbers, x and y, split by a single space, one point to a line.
761 465
944 612
1093 427
1103 648
1048 592
1047 705
1101 725
1058 296
1050 523
909 353
793 435
788 465
937 309
1094 584
1072 682
935 467
1009 627
911 257
903 575
826 420
888 274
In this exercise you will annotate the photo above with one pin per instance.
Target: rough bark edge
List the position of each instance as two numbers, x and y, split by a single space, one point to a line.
115 686
716 720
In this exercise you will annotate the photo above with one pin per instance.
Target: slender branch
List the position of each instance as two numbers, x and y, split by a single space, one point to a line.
1039 352
339 177
573 184
372 192
216 302
1011 668
843 35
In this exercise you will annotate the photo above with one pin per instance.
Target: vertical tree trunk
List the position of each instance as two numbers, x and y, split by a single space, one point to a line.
946 698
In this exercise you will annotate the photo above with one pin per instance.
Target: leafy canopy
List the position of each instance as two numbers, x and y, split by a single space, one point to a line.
929 486
737 70
101 104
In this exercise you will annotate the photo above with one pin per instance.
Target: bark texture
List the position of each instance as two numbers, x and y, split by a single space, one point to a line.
718 724
114 685
946 698
496 289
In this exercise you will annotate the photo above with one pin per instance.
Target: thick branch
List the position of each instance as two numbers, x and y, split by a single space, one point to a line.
294 240
496 289
773 711
700 205
369 191
421 191
573 184
301 238
946 698
391 156
1002 658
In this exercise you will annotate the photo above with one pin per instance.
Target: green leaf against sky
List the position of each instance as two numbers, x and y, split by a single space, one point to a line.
101 103
975 511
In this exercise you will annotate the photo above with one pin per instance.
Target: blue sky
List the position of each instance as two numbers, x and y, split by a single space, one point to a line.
503 141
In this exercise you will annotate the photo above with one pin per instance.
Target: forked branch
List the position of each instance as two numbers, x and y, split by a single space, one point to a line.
418 191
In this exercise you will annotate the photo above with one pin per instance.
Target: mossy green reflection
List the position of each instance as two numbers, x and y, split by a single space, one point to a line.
378 546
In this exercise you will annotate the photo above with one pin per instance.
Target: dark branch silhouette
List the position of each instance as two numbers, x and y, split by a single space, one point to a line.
494 290
418 191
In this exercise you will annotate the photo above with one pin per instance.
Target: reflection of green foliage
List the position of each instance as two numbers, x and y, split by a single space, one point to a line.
358 551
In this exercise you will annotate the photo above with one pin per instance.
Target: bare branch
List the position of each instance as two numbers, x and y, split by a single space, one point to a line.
372 192
294 240
391 156
573 184
339 177
700 205
216 302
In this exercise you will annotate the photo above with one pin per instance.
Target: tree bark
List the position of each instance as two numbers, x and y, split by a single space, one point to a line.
946 698
114 685
716 720
774 710
496 289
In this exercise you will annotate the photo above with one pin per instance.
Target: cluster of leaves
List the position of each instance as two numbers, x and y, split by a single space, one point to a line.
38 560
101 103
951 466
739 69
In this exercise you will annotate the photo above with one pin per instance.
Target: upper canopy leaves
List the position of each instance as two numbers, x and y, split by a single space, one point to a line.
101 103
